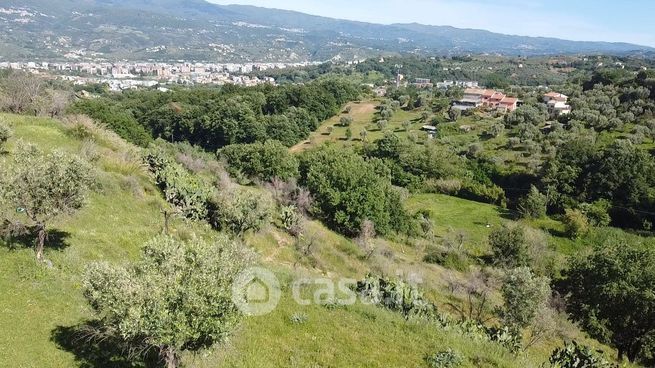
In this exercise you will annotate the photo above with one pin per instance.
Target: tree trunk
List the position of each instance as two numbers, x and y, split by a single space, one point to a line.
40 241
633 351
172 360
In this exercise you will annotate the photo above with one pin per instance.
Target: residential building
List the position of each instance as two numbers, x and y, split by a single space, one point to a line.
423 83
557 104
476 97
555 96
449 83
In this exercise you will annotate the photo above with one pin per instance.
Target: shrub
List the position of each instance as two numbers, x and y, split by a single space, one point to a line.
298 318
452 259
475 149
597 212
177 297
524 294
239 210
79 131
576 223
574 355
345 121
5 133
533 205
291 220
444 359
263 161
509 246
188 193
396 295
347 191
443 186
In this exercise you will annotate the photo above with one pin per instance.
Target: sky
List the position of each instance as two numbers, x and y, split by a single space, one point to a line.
580 20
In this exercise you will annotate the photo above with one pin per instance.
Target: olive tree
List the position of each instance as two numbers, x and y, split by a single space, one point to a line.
524 295
20 92
177 297
345 121
44 186
509 246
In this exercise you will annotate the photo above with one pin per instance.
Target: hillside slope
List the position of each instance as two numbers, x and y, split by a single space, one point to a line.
155 30
40 305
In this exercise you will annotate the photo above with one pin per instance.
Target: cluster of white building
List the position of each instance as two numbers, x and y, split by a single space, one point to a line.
130 75
135 69
464 84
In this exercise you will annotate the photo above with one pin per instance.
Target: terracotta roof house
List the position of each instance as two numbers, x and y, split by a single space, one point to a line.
476 97
508 103
555 96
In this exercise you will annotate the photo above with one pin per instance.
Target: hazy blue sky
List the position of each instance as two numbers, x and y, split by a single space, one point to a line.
594 20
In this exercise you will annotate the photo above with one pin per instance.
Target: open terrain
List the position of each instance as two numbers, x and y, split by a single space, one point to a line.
40 304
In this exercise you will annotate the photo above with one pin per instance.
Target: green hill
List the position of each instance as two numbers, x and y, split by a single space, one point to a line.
40 304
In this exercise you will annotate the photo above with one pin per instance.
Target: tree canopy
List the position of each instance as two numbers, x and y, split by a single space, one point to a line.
177 297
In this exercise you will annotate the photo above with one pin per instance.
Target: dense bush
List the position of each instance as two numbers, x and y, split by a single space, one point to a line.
115 118
240 210
585 172
188 193
177 297
347 191
263 161
476 191
452 259
597 213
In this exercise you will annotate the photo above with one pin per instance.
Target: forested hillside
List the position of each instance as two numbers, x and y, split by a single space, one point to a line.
197 30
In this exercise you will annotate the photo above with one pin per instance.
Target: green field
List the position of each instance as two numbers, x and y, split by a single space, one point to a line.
39 304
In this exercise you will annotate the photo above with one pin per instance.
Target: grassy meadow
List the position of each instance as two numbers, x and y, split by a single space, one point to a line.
39 304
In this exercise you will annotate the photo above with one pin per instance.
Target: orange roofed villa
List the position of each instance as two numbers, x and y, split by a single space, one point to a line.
476 97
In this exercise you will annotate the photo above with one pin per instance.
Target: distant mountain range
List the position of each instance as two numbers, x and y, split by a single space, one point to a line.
197 30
